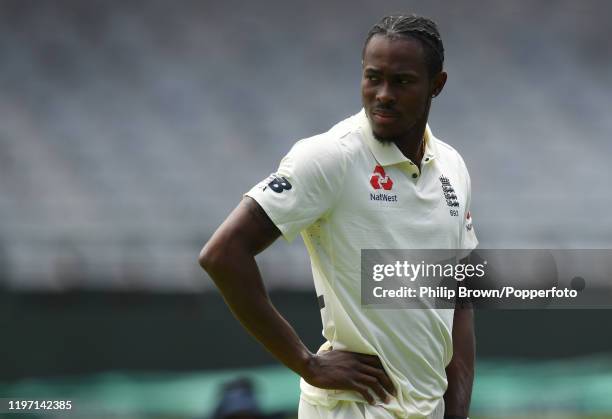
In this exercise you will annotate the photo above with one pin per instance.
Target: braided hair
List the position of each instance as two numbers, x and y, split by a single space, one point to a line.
421 28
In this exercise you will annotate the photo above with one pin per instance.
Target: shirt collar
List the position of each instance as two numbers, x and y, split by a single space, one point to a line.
388 154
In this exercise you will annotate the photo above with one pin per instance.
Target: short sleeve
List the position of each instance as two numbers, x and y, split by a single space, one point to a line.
305 186
468 234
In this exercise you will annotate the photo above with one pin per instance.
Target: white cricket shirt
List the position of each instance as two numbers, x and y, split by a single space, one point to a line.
345 191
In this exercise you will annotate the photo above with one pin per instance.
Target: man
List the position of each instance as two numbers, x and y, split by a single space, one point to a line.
375 180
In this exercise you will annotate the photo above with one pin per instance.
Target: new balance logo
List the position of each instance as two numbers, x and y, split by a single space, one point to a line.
379 180
279 184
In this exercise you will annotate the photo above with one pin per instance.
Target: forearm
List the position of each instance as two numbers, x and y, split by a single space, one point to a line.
239 281
460 371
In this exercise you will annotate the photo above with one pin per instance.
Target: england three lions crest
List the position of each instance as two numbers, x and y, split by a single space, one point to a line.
449 192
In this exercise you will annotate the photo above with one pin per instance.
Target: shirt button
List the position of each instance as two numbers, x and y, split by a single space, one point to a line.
414 175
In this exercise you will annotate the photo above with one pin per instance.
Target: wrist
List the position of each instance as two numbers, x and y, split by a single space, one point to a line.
307 365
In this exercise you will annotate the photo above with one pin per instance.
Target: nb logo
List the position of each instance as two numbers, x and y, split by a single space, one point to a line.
279 184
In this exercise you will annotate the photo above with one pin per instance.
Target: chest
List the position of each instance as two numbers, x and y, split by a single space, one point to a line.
390 207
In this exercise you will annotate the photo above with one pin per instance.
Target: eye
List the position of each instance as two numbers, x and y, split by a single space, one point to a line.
371 77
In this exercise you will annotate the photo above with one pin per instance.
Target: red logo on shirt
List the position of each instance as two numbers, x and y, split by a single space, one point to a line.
380 180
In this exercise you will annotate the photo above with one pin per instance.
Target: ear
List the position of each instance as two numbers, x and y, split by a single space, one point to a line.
438 82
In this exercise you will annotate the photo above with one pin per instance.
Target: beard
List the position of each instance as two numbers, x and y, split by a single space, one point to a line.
405 129
384 140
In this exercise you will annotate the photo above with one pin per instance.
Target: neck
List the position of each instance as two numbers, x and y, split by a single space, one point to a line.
411 145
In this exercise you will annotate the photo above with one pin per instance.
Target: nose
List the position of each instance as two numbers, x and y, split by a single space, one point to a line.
385 95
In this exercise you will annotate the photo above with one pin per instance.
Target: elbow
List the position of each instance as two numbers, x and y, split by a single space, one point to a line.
215 257
210 262
207 258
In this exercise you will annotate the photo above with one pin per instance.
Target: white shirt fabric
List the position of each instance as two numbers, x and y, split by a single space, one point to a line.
354 410
331 189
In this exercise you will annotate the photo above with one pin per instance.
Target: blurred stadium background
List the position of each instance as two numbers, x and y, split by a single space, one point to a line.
128 130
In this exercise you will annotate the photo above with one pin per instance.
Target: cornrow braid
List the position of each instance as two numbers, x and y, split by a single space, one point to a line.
418 27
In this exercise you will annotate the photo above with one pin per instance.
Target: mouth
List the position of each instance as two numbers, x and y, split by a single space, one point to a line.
384 116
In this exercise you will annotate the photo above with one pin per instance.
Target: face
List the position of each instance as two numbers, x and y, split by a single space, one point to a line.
396 88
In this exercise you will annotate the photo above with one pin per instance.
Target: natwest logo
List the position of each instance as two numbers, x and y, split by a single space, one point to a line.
379 180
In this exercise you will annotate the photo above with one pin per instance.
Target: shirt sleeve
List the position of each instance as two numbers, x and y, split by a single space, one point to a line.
468 234
305 186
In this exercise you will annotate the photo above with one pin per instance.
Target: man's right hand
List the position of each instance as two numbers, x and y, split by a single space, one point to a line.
229 258
342 370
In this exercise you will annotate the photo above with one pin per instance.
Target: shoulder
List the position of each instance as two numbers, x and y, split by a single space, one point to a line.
337 141
331 149
450 156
